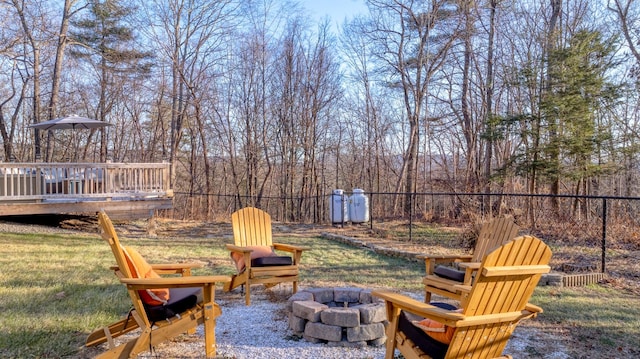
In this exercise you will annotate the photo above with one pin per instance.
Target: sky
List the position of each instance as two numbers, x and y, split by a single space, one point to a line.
337 10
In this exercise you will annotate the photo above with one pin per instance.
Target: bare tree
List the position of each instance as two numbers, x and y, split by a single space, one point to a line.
67 13
488 120
411 47
365 102
103 38
28 27
186 32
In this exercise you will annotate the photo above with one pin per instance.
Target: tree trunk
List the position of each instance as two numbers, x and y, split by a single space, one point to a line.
488 158
556 8
57 71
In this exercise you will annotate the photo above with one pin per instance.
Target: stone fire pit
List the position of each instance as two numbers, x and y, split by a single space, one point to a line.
347 317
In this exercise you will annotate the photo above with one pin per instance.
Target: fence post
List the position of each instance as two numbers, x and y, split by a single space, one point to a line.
604 232
371 211
342 209
411 201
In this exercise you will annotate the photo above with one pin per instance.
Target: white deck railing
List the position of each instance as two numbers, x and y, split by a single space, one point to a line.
42 181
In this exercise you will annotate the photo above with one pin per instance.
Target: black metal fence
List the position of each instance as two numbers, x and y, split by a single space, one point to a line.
605 222
590 229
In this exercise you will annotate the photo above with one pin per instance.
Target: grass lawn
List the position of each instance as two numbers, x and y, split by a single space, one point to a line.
55 289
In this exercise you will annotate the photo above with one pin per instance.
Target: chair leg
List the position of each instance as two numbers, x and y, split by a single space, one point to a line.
427 297
247 293
209 321
236 281
391 331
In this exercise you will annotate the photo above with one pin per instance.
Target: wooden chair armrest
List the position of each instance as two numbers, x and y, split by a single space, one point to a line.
470 268
533 308
430 261
453 319
288 247
529 311
470 265
246 253
493 318
174 282
169 268
175 268
234 248
465 289
514 270
418 307
446 257
295 250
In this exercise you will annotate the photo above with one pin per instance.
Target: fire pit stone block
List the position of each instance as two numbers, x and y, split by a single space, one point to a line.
344 317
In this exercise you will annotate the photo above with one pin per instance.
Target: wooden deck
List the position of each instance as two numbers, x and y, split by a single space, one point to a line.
50 188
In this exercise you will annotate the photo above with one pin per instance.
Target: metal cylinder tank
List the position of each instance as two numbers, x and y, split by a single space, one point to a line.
339 207
358 206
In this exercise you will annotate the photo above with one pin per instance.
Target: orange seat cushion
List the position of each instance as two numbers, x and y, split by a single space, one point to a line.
257 252
436 330
141 269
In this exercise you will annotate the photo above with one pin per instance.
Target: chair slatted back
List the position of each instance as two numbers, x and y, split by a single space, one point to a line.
494 234
251 227
110 236
503 287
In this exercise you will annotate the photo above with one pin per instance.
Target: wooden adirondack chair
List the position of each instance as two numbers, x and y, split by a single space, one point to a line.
442 279
254 255
190 302
496 302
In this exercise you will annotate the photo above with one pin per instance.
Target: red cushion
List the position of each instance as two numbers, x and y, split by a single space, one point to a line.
141 269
